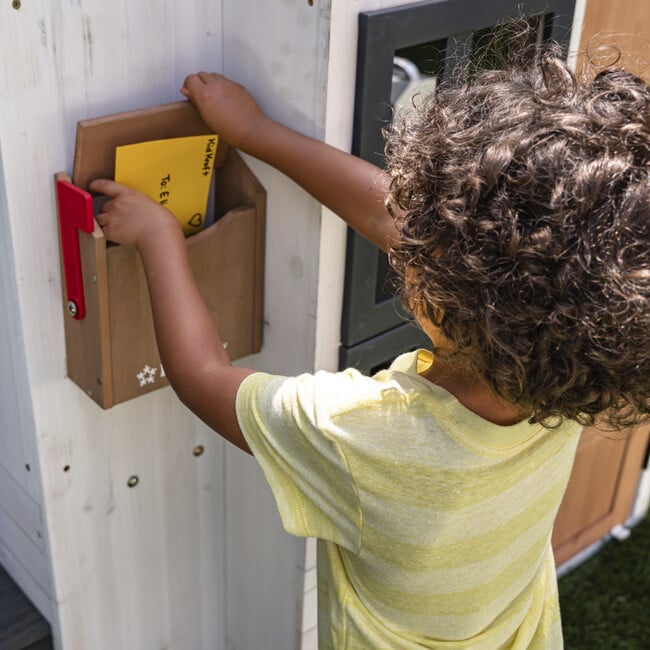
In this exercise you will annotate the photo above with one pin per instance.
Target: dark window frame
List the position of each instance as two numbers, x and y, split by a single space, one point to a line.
381 33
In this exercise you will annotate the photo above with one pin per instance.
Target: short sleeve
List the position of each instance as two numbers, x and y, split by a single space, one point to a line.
288 426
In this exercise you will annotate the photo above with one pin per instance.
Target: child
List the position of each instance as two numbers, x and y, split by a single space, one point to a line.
516 212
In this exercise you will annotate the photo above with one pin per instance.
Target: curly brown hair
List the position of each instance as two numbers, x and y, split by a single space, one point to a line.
524 216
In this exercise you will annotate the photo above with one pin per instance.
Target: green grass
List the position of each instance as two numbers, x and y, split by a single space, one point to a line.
605 602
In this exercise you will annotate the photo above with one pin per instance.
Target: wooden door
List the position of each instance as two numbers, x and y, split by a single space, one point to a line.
617 32
601 489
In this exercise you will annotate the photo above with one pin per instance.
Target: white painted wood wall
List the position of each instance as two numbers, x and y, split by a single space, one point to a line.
194 557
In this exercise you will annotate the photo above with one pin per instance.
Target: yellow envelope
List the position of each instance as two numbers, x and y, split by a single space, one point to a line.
175 172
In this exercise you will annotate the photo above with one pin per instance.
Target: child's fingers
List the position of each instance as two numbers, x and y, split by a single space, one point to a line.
104 220
206 77
106 186
189 83
196 82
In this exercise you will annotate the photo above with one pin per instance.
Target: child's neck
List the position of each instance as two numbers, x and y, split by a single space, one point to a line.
473 394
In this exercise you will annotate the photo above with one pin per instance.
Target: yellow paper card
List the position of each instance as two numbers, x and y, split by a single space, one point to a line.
175 173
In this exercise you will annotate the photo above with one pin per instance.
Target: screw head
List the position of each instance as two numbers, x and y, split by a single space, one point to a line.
72 308
133 481
16 4
198 450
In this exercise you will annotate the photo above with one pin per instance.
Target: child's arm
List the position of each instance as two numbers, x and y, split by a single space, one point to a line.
352 188
191 350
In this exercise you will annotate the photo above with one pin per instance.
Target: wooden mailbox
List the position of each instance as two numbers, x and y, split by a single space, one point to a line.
111 347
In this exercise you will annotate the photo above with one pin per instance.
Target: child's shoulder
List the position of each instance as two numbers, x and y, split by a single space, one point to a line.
335 393
394 388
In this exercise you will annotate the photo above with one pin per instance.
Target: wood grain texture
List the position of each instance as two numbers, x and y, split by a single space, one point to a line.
97 138
601 490
130 567
87 340
281 56
182 559
21 520
592 486
617 33
112 353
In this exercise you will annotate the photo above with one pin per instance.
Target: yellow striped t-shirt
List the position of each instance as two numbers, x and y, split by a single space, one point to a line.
434 524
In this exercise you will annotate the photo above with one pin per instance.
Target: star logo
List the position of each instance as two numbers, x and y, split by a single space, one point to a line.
147 375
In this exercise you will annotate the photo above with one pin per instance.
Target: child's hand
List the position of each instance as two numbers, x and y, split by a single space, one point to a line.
225 106
130 217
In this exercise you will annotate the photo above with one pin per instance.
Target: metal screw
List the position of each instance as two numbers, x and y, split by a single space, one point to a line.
133 481
16 4
93 278
72 308
198 450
